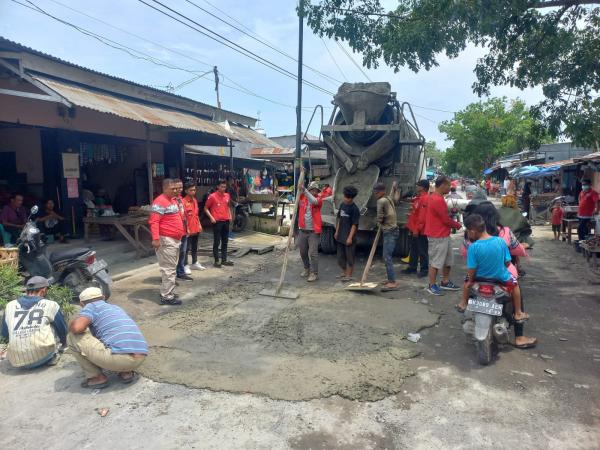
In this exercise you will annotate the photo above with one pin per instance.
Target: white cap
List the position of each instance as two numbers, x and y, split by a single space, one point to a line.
90 293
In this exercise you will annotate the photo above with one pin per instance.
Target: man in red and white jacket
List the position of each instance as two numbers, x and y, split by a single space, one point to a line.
166 226
438 225
310 224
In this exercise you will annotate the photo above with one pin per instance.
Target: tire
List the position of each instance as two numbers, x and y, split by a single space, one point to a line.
76 281
484 350
103 286
327 240
403 244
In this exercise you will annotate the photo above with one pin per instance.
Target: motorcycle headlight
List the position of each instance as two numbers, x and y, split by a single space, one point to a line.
32 230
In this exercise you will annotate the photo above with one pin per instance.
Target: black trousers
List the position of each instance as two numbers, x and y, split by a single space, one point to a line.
345 255
220 237
584 228
419 252
192 248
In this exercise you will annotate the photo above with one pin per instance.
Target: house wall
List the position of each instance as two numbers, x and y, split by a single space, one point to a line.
26 143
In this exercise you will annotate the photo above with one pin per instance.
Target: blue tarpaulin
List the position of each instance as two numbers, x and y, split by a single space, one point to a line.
488 171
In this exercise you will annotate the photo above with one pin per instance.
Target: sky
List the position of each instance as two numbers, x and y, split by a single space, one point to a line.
188 54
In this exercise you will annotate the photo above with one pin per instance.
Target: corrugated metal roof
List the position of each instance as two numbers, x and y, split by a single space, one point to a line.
33 51
285 154
246 134
128 109
590 157
564 162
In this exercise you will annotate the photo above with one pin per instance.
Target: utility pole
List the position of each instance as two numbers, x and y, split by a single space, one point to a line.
297 153
216 72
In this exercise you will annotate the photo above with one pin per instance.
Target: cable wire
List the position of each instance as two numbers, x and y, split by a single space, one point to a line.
149 58
358 66
334 61
230 44
264 42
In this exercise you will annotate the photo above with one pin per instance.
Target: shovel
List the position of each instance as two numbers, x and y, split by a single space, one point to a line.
278 292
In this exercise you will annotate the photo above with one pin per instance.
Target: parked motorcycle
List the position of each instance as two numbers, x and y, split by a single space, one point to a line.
488 318
240 221
76 268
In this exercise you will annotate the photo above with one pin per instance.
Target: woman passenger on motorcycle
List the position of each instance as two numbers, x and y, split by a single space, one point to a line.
490 215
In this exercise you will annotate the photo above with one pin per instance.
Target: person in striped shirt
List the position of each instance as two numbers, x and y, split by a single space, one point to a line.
103 336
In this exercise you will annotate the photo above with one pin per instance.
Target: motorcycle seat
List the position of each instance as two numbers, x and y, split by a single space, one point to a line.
68 254
488 280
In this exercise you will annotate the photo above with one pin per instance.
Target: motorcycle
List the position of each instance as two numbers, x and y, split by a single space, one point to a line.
242 212
76 268
488 318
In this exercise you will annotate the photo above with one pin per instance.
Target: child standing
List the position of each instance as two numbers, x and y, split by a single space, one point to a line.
556 220
488 257
345 232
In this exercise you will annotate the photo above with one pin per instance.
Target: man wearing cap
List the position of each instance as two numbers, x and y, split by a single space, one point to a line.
103 336
33 325
166 227
388 221
310 224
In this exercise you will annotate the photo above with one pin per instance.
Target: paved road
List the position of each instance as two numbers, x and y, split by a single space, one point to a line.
450 402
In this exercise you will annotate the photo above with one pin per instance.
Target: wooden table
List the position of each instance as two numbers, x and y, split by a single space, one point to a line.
119 222
567 227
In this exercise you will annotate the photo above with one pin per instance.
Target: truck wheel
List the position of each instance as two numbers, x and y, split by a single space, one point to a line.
327 241
403 244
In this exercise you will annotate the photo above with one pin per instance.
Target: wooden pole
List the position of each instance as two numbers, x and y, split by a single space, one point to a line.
299 188
149 164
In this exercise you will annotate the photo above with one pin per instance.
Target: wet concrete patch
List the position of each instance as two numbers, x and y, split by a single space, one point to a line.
329 342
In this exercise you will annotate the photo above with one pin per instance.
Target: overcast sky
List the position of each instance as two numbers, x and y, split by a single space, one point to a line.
447 87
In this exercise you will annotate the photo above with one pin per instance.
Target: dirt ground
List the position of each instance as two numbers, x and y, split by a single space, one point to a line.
233 369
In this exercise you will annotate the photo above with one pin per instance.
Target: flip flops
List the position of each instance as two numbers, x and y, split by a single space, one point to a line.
87 385
526 346
523 320
134 376
459 309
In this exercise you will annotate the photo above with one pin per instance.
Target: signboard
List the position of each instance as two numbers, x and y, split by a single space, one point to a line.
72 188
70 165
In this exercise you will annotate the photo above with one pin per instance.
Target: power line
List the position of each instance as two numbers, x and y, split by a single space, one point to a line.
263 41
358 66
230 44
426 118
432 109
334 61
145 56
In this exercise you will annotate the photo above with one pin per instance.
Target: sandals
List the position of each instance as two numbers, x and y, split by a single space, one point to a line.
128 380
387 288
87 385
345 279
459 309
527 345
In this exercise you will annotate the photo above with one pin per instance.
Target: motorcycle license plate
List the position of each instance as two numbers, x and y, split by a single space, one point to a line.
97 266
480 305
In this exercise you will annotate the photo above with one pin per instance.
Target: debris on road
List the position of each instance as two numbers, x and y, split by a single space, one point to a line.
413 337
103 412
546 357
550 371
562 339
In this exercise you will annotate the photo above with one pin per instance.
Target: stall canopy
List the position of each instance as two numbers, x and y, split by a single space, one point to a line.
488 171
522 172
247 163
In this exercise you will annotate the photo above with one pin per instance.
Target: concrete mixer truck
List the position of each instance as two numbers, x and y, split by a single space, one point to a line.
371 137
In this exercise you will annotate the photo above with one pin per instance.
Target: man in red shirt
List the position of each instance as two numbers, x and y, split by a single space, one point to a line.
416 226
326 192
217 210
438 225
588 207
166 226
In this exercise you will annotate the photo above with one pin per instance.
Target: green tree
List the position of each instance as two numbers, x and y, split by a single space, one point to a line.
549 43
487 130
434 153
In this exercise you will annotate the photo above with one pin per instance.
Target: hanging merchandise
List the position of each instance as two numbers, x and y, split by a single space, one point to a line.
95 154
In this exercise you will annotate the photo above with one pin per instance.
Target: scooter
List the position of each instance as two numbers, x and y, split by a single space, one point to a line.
76 268
488 318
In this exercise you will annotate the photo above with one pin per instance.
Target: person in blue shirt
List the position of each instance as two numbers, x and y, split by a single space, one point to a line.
488 257
103 336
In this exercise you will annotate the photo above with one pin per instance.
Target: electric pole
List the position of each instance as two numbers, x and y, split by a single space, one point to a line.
297 153
216 72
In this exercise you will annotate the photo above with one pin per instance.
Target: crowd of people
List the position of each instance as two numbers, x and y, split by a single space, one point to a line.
103 337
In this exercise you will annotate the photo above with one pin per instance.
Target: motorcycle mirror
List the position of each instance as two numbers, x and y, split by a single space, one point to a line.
34 209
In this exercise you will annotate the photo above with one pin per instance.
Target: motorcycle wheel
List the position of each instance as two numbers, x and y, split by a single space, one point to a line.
484 350
77 281
327 240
